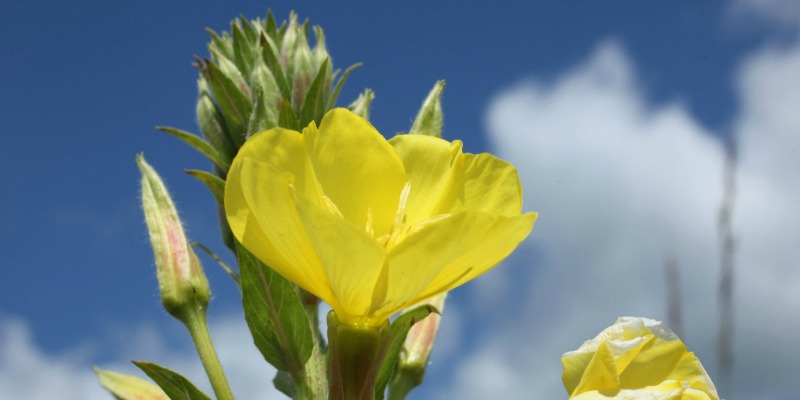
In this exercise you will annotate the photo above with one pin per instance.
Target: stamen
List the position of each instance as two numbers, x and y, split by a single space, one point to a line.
400 217
370 230
427 222
332 206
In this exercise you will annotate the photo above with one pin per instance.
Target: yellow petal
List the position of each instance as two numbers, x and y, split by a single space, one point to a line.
353 260
263 218
446 253
433 166
357 169
490 185
601 372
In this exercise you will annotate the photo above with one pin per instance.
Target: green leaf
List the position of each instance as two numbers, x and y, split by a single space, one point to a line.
234 103
284 383
314 103
200 145
288 119
275 315
274 66
233 274
174 384
400 328
214 183
339 85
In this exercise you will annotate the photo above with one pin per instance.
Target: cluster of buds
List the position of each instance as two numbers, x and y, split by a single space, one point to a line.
260 76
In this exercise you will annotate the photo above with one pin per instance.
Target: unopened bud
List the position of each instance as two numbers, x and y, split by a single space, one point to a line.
268 93
303 70
361 105
129 387
290 39
429 118
321 55
422 336
181 280
211 121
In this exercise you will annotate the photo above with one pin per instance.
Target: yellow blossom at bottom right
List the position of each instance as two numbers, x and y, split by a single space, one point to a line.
636 358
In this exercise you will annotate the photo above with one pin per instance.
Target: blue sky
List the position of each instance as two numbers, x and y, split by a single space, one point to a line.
614 112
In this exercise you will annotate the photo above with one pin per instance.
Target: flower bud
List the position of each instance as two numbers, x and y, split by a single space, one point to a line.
210 120
429 118
264 86
181 279
321 55
361 105
303 70
290 39
420 340
129 387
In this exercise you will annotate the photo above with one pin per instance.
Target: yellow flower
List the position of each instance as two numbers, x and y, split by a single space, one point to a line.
368 225
636 358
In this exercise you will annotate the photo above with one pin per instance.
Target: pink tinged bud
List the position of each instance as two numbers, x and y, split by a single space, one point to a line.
181 279
420 340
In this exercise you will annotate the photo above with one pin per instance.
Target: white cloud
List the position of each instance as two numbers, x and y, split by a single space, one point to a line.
773 13
619 184
28 372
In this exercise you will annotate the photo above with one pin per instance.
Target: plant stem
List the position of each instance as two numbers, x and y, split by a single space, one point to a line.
196 323
404 381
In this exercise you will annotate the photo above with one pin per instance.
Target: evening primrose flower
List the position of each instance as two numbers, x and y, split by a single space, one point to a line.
368 225
636 358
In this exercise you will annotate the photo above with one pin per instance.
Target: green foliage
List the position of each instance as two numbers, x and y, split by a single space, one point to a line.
275 315
174 384
399 328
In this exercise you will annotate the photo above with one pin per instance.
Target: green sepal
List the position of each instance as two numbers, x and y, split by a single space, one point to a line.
242 50
214 183
174 384
234 103
212 123
314 103
399 328
222 44
271 27
261 119
200 145
287 118
429 118
128 387
361 105
275 315
340 85
249 33
233 274
268 53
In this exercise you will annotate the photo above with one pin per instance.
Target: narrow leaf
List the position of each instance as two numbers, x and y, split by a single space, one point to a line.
222 44
275 315
174 384
339 85
271 26
233 274
214 183
400 328
200 145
